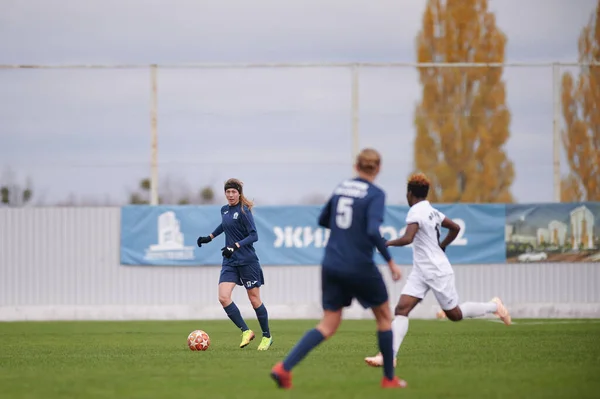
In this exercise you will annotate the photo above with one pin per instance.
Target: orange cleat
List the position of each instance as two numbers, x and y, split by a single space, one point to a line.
282 377
395 383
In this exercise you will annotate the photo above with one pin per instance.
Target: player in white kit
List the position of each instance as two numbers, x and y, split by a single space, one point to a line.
431 267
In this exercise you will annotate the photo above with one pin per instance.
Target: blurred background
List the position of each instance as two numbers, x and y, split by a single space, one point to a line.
109 103
106 103
78 98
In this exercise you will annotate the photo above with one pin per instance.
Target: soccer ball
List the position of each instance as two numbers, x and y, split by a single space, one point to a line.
198 340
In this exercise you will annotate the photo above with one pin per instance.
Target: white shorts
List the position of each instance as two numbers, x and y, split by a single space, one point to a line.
443 288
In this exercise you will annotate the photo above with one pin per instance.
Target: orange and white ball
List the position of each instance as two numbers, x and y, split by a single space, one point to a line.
198 340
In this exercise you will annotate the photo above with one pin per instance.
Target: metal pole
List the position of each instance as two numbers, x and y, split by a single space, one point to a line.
355 112
154 138
556 129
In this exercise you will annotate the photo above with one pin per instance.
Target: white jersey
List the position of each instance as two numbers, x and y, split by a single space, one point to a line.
428 258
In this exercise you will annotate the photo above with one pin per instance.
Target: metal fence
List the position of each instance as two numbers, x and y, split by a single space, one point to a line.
89 130
63 263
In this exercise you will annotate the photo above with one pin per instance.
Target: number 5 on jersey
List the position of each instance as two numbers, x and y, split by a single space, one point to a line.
343 217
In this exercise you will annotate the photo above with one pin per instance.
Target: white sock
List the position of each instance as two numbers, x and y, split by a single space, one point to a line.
477 309
399 330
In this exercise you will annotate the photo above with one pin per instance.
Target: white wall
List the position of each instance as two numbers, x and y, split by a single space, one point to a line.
63 263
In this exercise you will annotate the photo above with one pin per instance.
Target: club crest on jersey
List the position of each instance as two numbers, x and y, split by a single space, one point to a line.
235 215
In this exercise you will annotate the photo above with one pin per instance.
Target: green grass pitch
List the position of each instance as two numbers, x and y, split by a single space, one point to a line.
439 359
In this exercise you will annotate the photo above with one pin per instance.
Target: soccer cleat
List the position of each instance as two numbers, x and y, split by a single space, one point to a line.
394 383
265 343
440 315
247 336
502 312
376 361
282 377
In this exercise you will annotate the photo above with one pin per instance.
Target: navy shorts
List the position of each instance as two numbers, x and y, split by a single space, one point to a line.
249 276
338 289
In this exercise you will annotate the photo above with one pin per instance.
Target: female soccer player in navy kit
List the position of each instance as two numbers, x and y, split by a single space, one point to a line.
240 263
354 214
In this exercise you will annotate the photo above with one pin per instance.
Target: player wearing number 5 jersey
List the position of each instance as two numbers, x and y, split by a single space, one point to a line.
431 267
354 214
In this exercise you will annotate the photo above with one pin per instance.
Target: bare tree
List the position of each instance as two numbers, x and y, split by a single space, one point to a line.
12 192
172 191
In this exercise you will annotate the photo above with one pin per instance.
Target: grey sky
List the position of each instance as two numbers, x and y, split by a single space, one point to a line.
285 132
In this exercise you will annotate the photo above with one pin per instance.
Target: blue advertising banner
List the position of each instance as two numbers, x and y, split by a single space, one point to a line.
166 235
480 240
289 235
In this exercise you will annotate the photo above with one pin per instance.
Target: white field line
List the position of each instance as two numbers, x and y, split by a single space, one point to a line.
523 323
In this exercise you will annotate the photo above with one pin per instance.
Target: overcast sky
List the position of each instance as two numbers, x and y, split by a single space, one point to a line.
285 132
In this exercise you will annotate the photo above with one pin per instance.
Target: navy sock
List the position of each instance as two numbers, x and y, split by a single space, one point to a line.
311 339
234 314
386 339
263 319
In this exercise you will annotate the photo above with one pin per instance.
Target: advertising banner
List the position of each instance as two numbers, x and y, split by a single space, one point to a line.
561 232
289 235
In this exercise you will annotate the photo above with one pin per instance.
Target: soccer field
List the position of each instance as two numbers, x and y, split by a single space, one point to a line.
439 359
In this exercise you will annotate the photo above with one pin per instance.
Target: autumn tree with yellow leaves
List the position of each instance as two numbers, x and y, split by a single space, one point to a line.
462 122
581 113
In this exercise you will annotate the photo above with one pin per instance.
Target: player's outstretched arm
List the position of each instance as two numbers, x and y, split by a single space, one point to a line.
407 238
325 215
217 231
394 270
453 230
375 212
206 239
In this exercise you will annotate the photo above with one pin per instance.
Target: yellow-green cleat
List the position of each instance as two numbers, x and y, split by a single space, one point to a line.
247 336
265 343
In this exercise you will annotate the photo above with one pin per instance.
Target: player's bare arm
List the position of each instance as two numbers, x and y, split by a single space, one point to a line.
407 238
453 230
394 270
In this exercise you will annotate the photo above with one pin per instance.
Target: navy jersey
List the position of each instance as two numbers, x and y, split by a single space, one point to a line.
238 227
354 214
